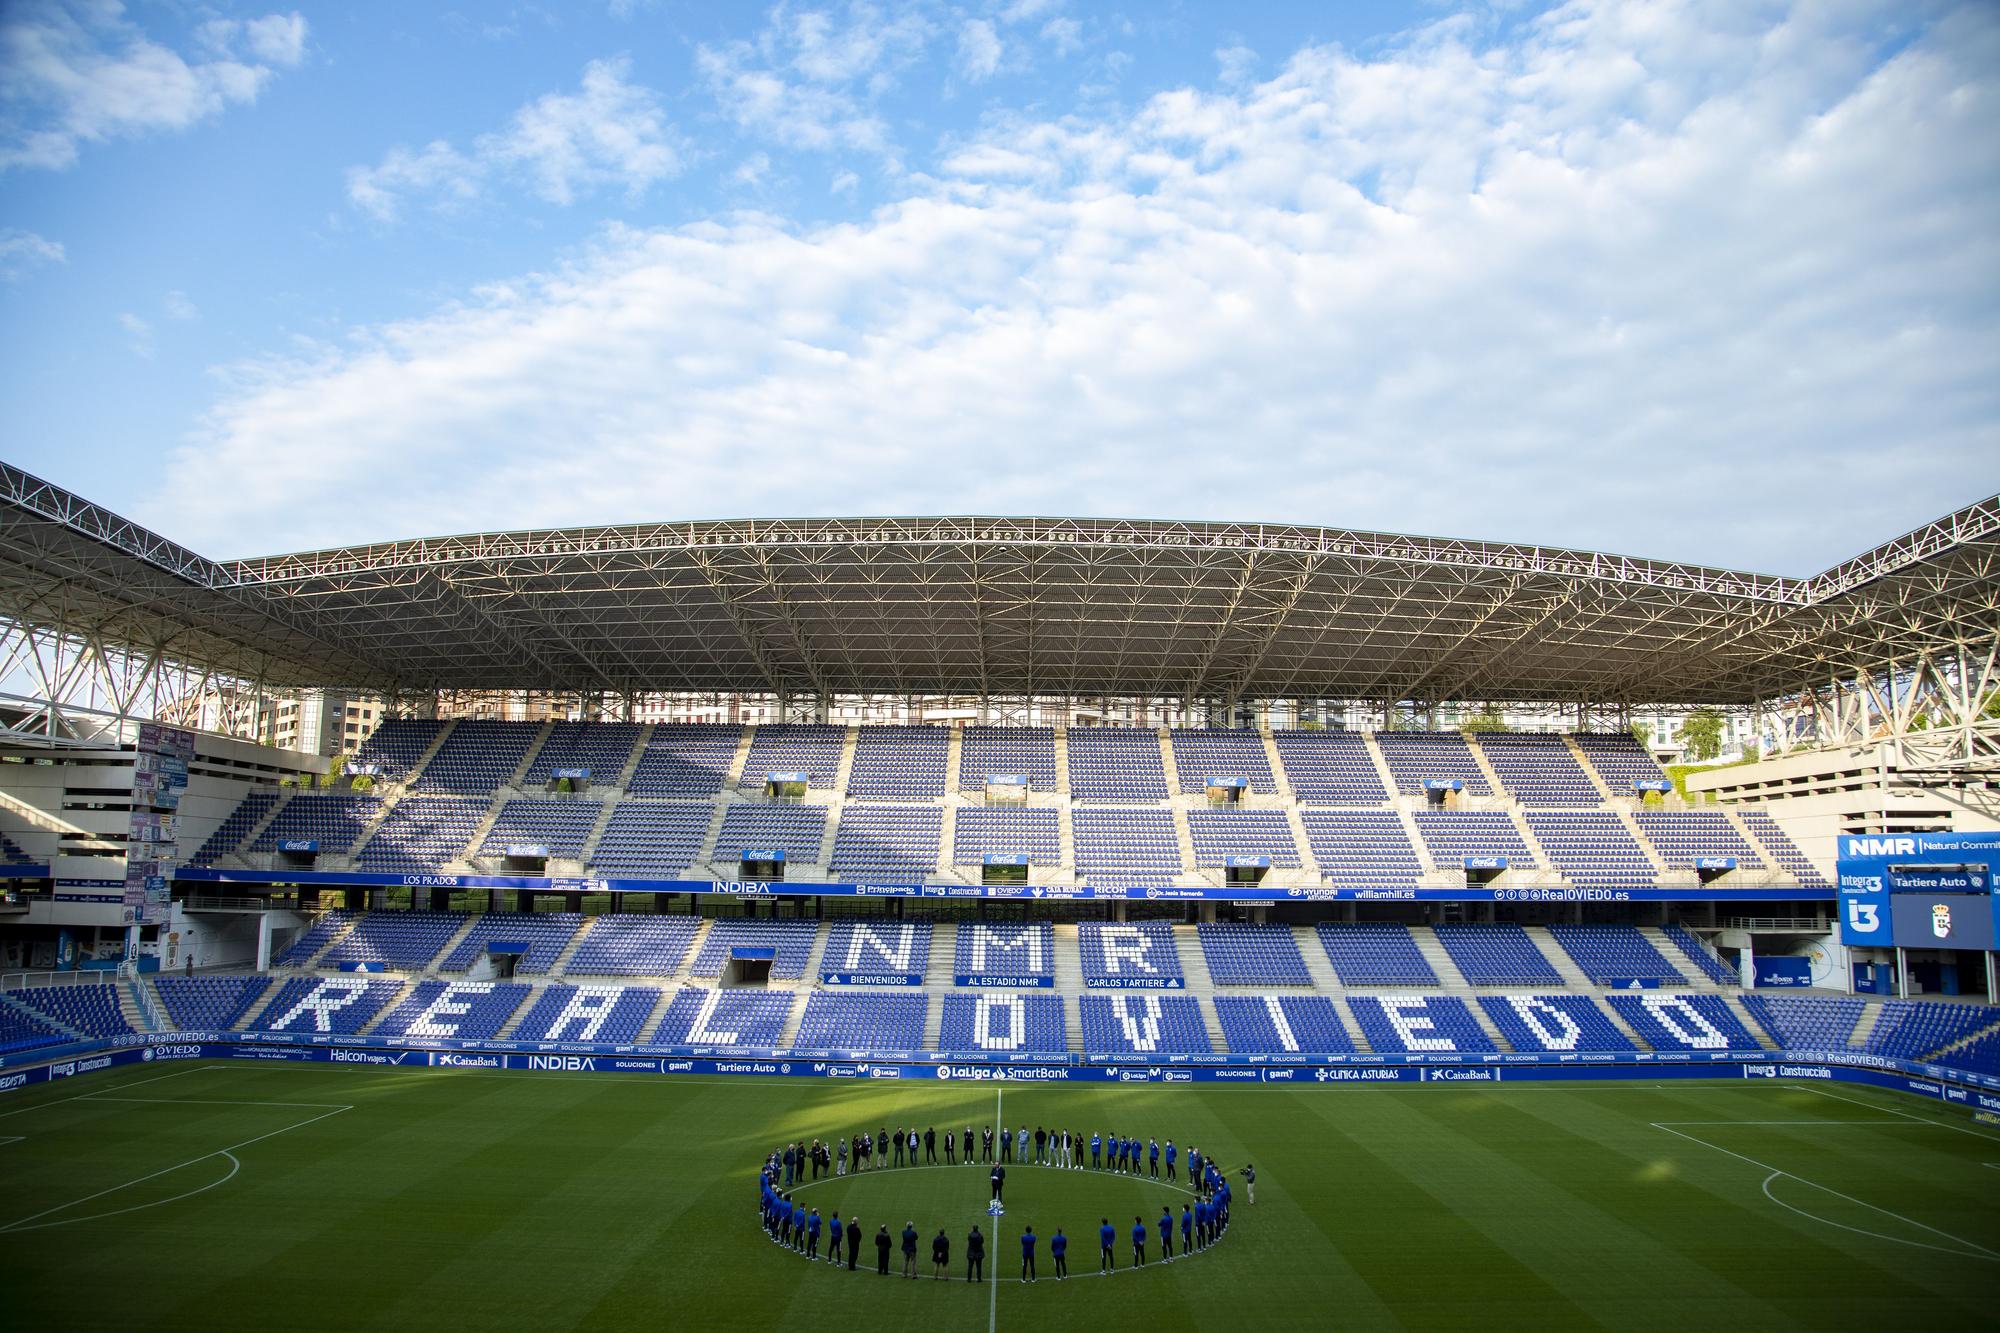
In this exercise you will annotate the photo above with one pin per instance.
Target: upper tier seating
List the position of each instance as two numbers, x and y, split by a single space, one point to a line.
876 946
690 760
1143 1025
983 831
1619 759
897 843
1116 764
1538 770
650 839
1914 1030
1611 953
208 1004
1138 954
1281 1024
395 939
228 835
313 938
1453 835
987 752
91 1010
1670 1022
899 763
1007 953
1496 955
421 835
1700 955
1246 955
454 1010
837 1020
602 747
1374 953
476 758
546 935
793 940
1807 1022
1362 849
811 748
613 1015
1419 1023
1330 767
334 820
1790 859
1416 756
1201 754
1681 836
1593 849
323 1005
397 745
796 830
622 945
1220 834
1002 1023
563 827
1122 847
697 1017
1553 1023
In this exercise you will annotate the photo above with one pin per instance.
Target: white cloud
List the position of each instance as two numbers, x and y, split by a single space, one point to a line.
809 79
177 307
1065 34
81 73
978 50
1674 283
138 333
21 251
611 133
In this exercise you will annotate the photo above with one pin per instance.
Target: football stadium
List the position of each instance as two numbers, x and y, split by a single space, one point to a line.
587 1021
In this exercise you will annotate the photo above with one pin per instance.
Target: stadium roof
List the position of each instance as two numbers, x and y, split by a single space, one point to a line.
999 606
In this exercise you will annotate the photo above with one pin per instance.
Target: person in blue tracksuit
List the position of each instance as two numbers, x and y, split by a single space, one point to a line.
813 1225
1170 1159
1153 1158
1097 1151
1167 1233
1028 1254
1201 1223
1107 1236
1187 1228
1059 1251
1138 1242
834 1233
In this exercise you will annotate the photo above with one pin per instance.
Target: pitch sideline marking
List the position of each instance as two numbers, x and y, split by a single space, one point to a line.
993 1299
6 1139
23 1110
1907 1115
33 1221
1982 1251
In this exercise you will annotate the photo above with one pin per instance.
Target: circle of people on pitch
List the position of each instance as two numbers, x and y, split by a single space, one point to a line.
801 1228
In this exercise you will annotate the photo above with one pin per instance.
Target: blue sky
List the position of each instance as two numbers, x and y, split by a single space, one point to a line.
1707 281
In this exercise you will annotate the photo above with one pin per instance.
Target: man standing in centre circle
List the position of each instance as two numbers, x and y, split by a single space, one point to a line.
999 1181
882 1244
853 1241
975 1255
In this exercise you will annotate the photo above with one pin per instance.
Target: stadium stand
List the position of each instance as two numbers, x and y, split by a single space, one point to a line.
792 939
1137 954
1417 756
1002 1023
981 831
1112 764
1807 1023
544 934
1981 1056
1362 849
1619 759
811 748
313 938
1789 858
614 1015
602 747
1538 770
1592 849
1330 767
1907 1030
91 1010
229 834
421 835
994 953
1028 752
898 843
1281 1024
334 820
1700 955
560 826
1374 953
457 1010
621 945
1453 835
1680 836
395 747
1125 847
1220 834
899 763
1670 1022
651 839
863 1021
796 830
1426 1023
697 1017
1246 955
208 1004
25 1030
1610 954
1201 754
408 940
326 1005
476 758
690 760
876 947
1553 1023
1143 1025
1496 955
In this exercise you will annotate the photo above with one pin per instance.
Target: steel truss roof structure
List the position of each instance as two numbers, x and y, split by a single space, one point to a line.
998 607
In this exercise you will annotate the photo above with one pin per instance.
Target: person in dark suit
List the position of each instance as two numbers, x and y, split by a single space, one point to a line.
853 1241
910 1250
883 1242
999 1181
950 1148
975 1256
940 1250
930 1146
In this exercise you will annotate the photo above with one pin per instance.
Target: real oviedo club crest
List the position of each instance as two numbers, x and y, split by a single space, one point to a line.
1941 920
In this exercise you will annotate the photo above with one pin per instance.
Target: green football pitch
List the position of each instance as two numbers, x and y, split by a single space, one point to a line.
224 1196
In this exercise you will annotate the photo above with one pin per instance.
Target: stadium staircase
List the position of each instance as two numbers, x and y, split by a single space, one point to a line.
480 830
1353 1026
249 1018
653 1017
944 953
589 849
1281 781
1384 772
1864 1027
1417 843
1638 834
947 835
1484 764
1590 771
1520 821
1169 766
408 987
1065 836
705 854
742 757
313 961
1068 967
1625 1029
423 760
809 977
849 742
1308 863
1692 977
1734 1003
519 776
954 763
1488 1026
1573 977
623 782
1182 838
1993 1030
1743 831
1325 981
142 1011
788 1035
256 830
561 963
1450 979
684 974
506 1030
1062 781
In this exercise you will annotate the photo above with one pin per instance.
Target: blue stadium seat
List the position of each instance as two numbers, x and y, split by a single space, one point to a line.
1143 1025
1005 953
863 1021
1248 955
1427 1024
612 1015
1002 1023
1138 954
1553 1023
453 1010
319 1006
745 1018
1670 1022
1281 1024
1374 953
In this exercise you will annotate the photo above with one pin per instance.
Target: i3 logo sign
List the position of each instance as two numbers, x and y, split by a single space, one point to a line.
1864 917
